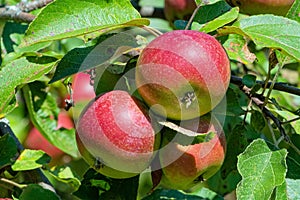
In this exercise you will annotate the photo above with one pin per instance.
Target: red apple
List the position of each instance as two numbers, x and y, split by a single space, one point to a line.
35 140
185 166
186 72
83 93
82 89
179 9
253 7
117 133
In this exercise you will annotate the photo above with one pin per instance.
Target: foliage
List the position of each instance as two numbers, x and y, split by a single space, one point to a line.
66 37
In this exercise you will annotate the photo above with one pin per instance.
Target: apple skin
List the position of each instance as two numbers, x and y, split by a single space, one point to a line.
254 7
180 65
35 140
116 130
185 166
179 9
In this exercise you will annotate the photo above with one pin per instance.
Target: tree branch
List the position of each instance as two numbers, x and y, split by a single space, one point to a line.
284 87
19 12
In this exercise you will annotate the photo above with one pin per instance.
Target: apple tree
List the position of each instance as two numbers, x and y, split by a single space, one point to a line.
119 99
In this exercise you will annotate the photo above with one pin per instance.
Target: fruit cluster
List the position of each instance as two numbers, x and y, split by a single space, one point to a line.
181 76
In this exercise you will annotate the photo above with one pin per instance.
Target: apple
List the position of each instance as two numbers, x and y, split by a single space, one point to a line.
179 9
185 72
254 7
115 135
35 140
186 165
83 93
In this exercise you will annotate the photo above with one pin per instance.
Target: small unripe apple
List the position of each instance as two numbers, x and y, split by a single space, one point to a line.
115 131
186 165
186 72
179 9
254 7
35 140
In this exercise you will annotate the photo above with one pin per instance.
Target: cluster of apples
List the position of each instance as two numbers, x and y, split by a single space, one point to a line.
181 76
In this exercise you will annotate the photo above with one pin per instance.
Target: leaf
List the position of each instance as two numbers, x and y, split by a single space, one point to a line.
269 31
237 49
209 12
232 100
63 179
292 187
31 159
249 80
171 194
80 17
236 144
281 193
220 21
97 186
289 116
8 150
294 11
262 170
43 111
17 73
257 121
34 191
100 55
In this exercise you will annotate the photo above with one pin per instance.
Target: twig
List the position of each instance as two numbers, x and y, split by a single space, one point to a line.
12 183
259 101
192 17
284 87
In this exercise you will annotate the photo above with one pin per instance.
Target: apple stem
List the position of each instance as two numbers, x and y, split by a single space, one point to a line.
192 17
188 98
152 30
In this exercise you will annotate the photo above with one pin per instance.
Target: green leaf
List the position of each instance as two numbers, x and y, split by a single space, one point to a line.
232 100
294 11
269 31
220 21
15 74
8 150
281 193
80 17
34 191
31 159
293 188
257 120
289 116
63 179
237 49
96 186
110 48
209 12
43 111
171 194
236 144
249 80
262 170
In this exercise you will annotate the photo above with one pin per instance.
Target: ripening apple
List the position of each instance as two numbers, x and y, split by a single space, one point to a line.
35 140
254 7
186 165
179 9
115 135
185 72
